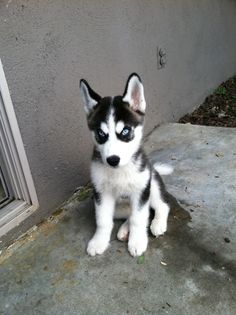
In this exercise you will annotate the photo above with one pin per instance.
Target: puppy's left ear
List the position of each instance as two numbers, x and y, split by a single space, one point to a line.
134 93
90 97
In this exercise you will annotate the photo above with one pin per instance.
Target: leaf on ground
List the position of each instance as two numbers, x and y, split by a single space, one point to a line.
141 260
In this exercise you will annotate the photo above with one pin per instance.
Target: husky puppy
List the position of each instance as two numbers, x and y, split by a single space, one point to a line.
121 171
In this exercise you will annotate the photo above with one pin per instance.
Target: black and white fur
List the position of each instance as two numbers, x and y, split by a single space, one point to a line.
120 170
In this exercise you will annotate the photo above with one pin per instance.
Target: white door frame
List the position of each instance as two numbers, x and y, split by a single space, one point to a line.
12 147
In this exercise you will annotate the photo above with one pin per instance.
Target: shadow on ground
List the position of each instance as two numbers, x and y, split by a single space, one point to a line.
190 270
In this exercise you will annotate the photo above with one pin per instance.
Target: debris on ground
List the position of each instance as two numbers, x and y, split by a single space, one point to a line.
48 225
141 260
218 109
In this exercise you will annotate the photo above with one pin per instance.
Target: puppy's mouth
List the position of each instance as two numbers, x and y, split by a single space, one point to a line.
117 166
112 166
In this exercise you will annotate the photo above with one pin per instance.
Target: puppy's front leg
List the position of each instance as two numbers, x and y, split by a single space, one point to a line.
104 207
138 238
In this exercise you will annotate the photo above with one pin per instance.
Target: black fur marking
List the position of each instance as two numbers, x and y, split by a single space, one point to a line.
99 113
96 155
141 157
124 113
164 193
97 196
92 93
144 163
137 154
145 193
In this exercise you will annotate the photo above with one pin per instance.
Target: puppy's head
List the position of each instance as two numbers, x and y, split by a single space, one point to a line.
116 122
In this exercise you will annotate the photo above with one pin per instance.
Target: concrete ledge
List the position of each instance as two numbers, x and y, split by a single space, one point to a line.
190 270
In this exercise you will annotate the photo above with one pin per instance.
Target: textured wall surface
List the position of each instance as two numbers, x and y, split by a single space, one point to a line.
47 46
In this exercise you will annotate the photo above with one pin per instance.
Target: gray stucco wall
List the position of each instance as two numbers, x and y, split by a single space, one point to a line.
47 46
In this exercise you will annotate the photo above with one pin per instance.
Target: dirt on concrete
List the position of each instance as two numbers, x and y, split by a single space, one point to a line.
218 109
190 270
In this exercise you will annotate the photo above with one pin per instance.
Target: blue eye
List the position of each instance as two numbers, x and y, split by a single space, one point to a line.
101 133
126 134
101 136
125 131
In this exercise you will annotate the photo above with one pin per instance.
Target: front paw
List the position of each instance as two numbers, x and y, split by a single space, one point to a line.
137 245
97 246
158 227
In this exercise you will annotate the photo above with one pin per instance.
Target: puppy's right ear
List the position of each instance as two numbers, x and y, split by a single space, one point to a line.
90 97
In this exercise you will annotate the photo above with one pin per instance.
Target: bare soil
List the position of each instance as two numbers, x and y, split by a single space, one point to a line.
218 109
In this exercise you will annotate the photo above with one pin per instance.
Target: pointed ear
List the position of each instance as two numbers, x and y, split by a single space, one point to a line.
90 97
134 93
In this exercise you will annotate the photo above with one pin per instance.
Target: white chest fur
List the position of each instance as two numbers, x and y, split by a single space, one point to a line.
122 181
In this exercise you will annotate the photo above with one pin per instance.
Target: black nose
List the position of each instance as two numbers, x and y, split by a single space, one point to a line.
113 160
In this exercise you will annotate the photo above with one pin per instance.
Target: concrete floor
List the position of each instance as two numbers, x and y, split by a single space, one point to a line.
191 270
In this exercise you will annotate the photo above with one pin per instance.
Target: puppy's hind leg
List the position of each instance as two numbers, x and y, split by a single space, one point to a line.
123 233
159 223
161 208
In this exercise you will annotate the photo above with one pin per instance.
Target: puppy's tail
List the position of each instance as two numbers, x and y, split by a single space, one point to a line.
163 169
